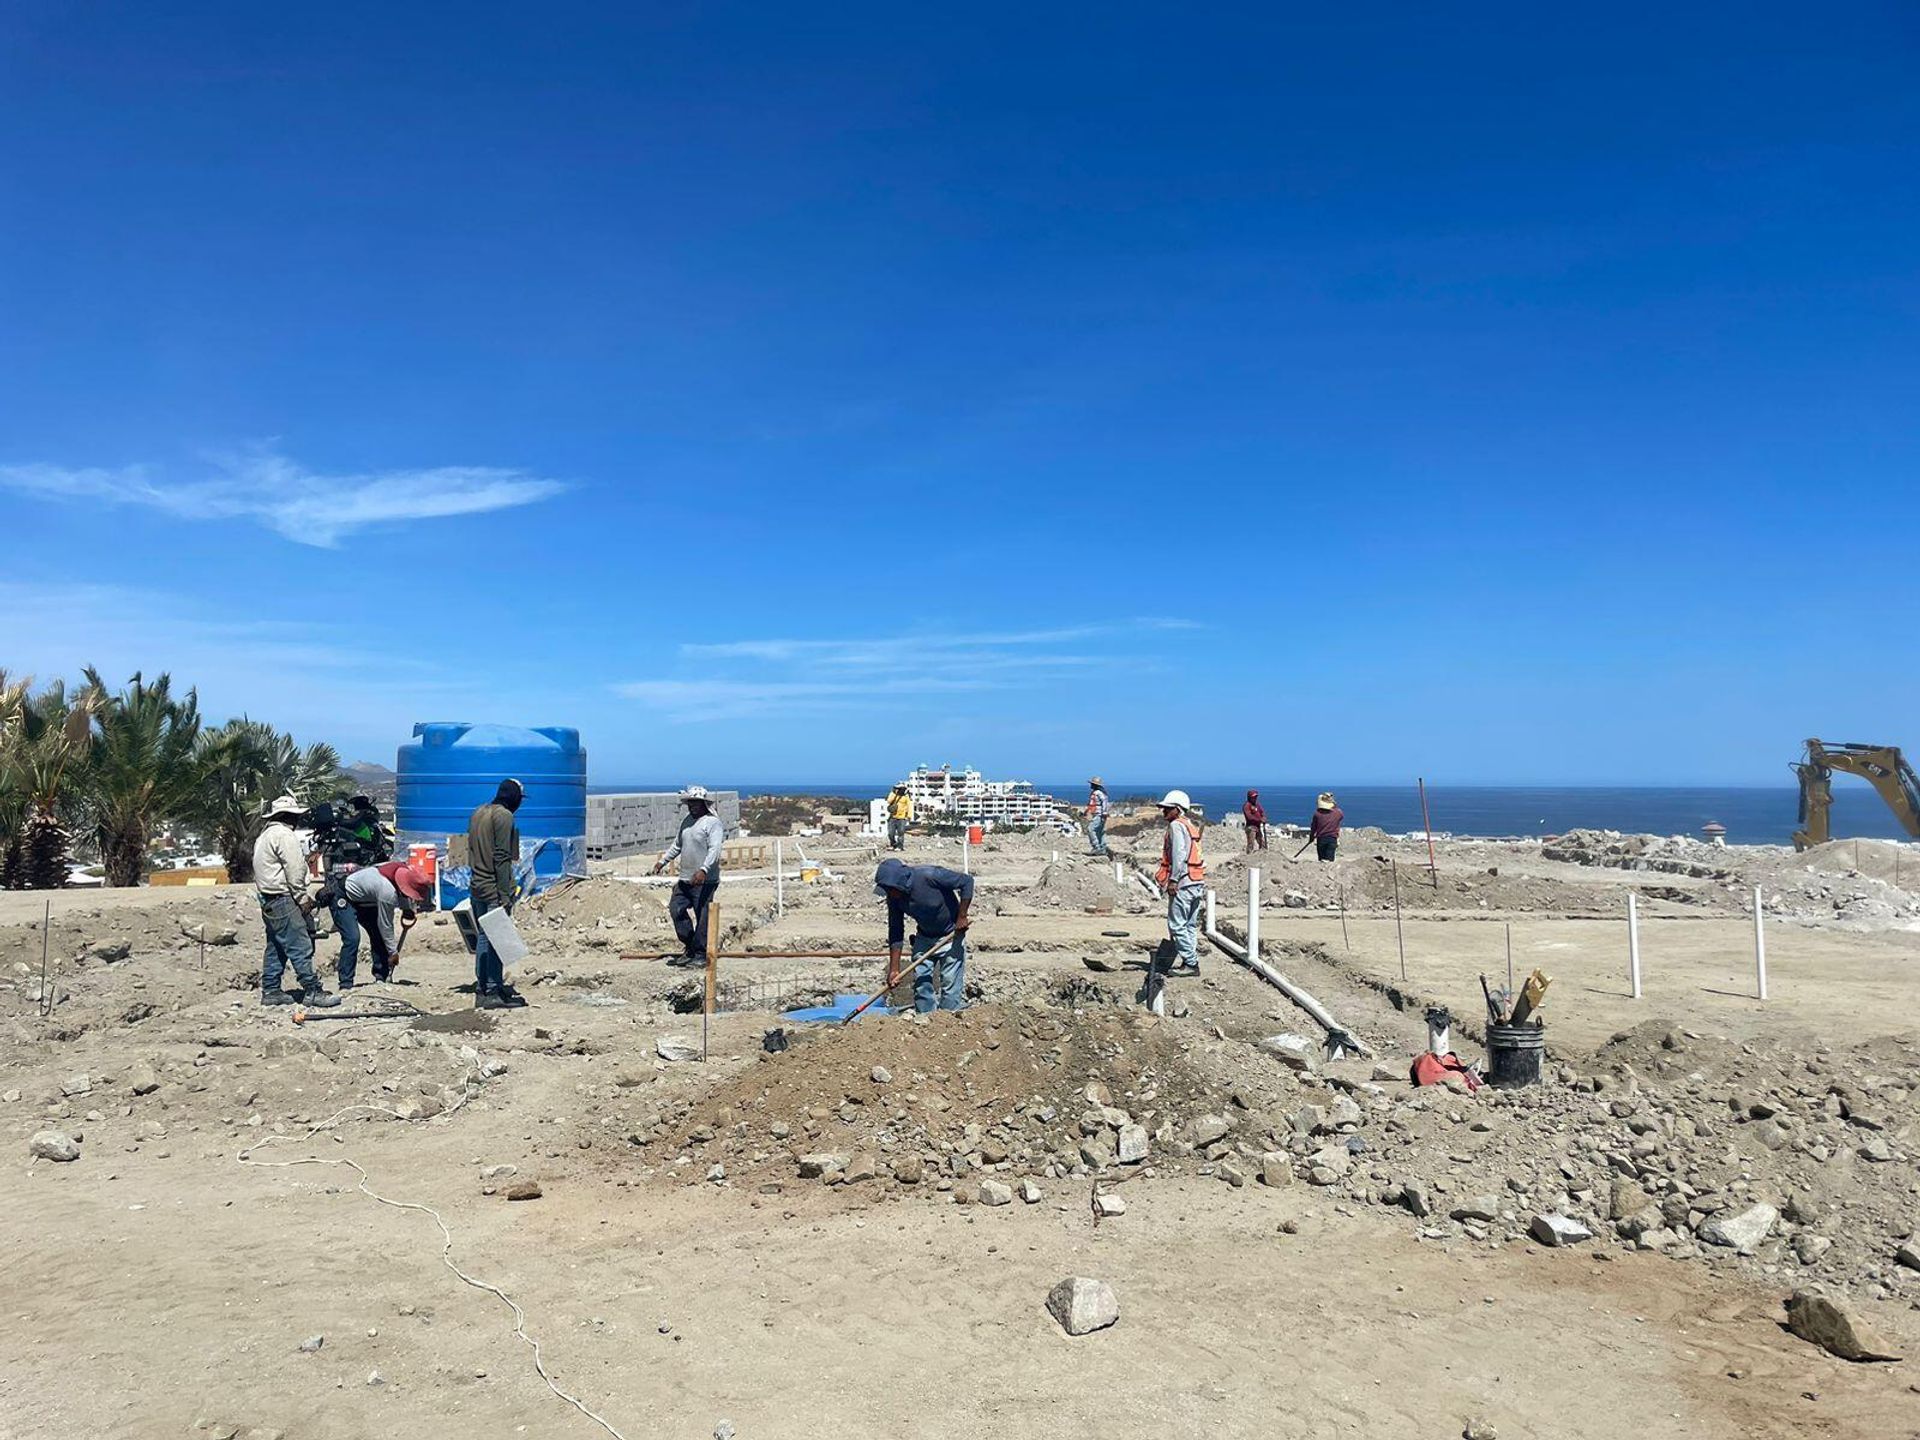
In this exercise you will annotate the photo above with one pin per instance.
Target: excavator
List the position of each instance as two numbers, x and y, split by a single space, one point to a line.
1882 766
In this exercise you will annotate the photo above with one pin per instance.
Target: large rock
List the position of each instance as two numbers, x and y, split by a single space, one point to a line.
1205 1129
1276 1169
994 1192
821 1163
1477 1207
75 1086
909 1169
1835 1328
1132 1144
1625 1198
1082 1305
1295 1051
1558 1230
1739 1230
676 1047
52 1145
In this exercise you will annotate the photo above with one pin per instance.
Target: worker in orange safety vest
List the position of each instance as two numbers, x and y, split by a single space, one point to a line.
1183 879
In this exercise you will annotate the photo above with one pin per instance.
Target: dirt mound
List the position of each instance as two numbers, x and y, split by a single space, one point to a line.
600 909
995 1091
1084 885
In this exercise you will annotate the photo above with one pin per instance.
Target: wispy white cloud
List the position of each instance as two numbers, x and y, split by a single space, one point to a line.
303 505
808 676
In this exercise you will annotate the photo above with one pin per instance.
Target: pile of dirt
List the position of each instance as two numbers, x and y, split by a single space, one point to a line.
1085 885
999 1091
599 912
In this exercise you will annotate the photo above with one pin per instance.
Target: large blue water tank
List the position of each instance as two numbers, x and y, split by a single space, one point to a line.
449 769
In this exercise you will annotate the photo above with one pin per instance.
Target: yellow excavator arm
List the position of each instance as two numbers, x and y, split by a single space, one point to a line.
1881 766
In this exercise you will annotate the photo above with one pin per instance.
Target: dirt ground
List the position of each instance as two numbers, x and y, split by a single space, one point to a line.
164 1282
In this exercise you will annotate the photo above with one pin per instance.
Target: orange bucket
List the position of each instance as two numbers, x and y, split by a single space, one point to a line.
425 859
976 834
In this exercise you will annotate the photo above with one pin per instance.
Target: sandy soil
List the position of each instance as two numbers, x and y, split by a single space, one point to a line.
159 1281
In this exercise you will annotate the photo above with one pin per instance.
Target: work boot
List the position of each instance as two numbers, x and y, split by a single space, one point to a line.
277 997
488 1000
318 999
687 962
511 998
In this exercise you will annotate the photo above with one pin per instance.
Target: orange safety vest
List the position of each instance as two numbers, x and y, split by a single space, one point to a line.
1196 868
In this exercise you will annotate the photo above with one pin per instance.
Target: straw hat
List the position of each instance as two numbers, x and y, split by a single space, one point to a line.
1325 801
1097 781
282 805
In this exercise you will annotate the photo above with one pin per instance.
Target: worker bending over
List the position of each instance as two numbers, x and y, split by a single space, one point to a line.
938 899
1325 829
899 816
1098 808
376 893
697 847
280 882
1183 877
493 849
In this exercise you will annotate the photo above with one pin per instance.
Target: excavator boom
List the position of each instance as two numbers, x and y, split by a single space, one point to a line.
1882 766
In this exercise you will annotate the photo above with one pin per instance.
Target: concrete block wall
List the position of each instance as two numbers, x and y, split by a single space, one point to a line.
640 823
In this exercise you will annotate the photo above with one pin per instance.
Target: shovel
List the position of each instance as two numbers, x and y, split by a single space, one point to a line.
927 956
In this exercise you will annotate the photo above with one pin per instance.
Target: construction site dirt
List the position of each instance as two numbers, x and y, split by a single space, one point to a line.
824 1230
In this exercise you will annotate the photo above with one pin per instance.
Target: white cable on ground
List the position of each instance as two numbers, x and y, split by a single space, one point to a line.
245 1157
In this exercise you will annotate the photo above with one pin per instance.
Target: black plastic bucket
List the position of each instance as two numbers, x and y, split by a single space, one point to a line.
1514 1055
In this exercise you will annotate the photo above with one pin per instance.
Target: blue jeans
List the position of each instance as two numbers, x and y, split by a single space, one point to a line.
946 989
1097 834
348 926
288 943
488 973
1183 922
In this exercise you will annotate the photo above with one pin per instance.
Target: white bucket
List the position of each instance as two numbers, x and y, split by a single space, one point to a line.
504 936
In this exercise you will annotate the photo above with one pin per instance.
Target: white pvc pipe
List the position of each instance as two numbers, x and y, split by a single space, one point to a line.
1119 876
1056 857
779 877
1209 912
1253 913
966 861
1759 943
1287 988
1633 945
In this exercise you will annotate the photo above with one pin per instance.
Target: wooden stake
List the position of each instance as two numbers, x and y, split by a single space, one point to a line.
1433 863
713 970
1344 938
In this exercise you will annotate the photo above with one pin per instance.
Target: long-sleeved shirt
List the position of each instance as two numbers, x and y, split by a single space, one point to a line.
933 897
1254 812
279 862
368 887
698 846
1098 805
493 849
900 806
1179 847
1326 822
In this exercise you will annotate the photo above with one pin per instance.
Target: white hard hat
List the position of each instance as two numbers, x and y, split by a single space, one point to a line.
1177 798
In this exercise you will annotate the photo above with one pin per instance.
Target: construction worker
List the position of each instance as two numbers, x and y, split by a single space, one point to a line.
375 893
1325 829
697 847
280 874
493 849
938 899
1183 878
899 816
1255 815
1098 808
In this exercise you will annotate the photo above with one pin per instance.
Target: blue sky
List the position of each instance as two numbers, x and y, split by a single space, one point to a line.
1493 395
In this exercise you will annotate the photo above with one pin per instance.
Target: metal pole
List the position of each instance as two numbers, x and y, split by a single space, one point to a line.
779 877
1344 939
1759 943
1633 943
1426 819
1399 933
46 972
1253 912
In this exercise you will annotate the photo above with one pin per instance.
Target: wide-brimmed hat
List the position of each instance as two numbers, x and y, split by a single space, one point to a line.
1096 780
696 792
1325 801
412 883
282 805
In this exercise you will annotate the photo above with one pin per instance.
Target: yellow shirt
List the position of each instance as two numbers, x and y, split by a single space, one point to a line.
900 806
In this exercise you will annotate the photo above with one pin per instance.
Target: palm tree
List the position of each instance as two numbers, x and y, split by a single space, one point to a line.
242 765
140 769
43 738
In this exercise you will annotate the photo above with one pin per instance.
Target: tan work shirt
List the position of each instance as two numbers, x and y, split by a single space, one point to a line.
279 862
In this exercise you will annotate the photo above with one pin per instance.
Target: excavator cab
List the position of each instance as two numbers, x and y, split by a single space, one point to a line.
1882 766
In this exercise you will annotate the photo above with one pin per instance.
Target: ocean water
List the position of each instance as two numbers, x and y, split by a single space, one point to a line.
1753 815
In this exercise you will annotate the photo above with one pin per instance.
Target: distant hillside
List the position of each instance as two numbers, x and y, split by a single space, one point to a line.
375 780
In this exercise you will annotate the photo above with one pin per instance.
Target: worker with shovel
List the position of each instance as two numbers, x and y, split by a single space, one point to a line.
375 893
1324 832
938 899
1183 878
